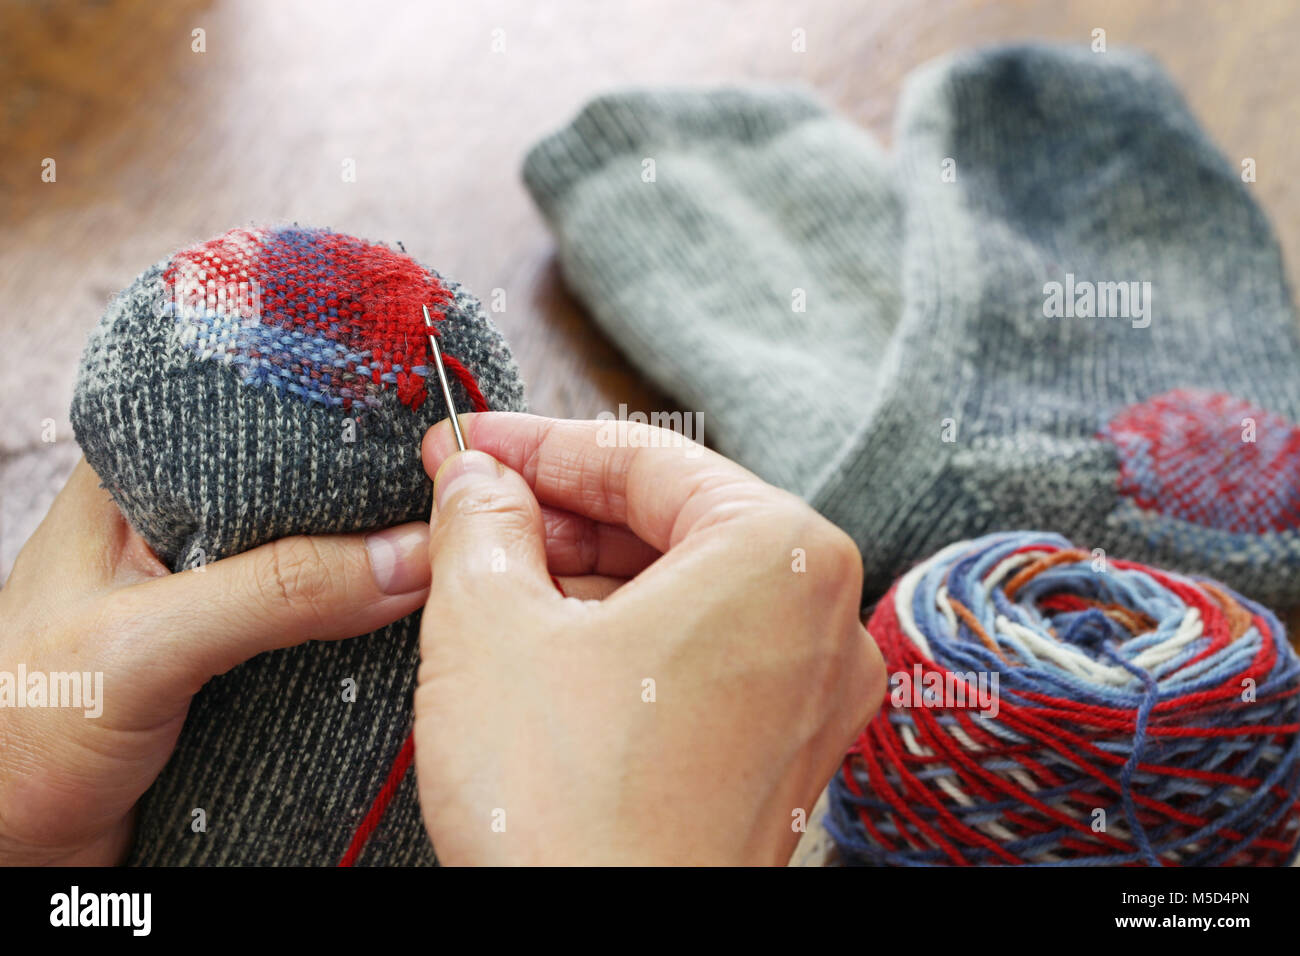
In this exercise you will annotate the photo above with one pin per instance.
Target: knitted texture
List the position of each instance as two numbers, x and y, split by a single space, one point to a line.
1054 306
757 194
266 383
1051 706
307 333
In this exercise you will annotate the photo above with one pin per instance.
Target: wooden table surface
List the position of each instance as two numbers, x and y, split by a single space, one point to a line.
157 146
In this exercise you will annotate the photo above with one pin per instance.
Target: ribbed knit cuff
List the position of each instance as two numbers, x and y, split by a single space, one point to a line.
638 123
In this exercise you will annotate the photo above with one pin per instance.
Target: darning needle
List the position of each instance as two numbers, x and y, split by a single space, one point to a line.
442 381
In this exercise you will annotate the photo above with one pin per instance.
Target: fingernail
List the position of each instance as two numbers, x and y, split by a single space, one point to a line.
462 468
399 558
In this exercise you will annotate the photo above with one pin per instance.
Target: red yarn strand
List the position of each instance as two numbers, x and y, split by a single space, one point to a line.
389 790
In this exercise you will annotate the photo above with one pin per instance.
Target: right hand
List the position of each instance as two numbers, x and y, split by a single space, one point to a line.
536 704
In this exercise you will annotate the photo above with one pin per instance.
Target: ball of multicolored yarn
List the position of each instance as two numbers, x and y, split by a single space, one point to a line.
1049 705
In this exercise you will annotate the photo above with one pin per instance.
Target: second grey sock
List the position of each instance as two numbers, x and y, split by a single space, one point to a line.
929 386
741 246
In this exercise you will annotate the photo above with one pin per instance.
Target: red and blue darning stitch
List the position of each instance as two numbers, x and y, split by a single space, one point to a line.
326 317
1210 459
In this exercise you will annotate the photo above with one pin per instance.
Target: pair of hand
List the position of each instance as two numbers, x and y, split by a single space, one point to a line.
696 687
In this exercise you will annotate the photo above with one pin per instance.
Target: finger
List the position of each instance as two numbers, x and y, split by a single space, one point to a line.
578 545
287 592
589 587
84 543
488 537
658 484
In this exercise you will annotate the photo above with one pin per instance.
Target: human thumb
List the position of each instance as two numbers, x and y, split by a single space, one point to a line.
488 537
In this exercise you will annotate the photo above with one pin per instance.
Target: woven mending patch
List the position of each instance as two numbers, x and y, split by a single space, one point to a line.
1210 459
326 317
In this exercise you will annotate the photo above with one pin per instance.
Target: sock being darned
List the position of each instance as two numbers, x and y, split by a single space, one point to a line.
1095 336
266 383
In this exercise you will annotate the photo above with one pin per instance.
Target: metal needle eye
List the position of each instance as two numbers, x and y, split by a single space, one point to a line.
442 381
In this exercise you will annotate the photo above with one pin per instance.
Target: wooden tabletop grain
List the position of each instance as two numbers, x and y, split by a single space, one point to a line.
157 145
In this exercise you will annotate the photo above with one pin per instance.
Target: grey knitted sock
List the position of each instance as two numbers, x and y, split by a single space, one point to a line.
270 382
1027 176
741 246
